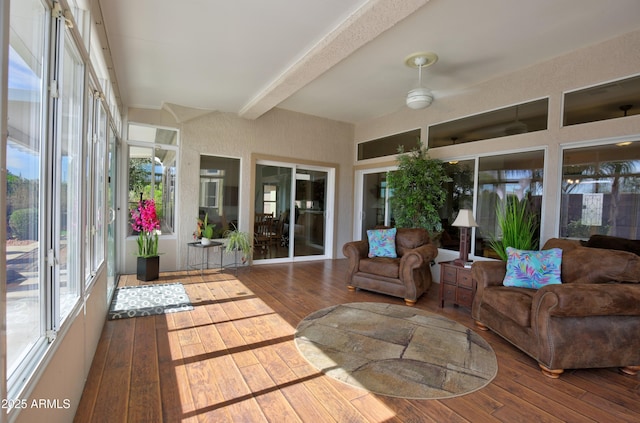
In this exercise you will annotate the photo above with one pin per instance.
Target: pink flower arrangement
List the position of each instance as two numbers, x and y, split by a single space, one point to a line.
145 221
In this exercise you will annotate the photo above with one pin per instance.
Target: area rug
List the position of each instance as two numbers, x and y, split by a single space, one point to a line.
148 300
396 350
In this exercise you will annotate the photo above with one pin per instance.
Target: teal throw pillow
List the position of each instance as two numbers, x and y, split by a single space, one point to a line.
533 269
382 242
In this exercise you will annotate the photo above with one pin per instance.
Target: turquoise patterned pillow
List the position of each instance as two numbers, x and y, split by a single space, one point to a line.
382 242
533 269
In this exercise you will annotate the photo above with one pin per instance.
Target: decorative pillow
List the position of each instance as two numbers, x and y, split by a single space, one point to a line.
533 269
382 242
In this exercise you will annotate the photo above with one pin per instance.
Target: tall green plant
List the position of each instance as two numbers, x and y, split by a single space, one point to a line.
518 226
418 191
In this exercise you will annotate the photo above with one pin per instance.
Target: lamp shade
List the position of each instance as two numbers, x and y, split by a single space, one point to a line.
465 219
419 98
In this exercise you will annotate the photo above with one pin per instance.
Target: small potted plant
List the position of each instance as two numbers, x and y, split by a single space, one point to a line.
205 230
239 241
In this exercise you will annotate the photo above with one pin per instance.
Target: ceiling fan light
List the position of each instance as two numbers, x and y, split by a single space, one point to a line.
419 98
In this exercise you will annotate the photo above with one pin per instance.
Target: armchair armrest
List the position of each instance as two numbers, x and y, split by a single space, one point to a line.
488 273
355 251
580 300
414 258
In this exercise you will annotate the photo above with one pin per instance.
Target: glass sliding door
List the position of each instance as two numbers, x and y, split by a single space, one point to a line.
294 201
272 198
310 209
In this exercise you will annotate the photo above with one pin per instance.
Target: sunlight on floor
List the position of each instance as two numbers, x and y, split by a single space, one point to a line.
234 357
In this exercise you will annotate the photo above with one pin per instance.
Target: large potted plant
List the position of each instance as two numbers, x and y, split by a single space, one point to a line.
518 226
418 190
144 220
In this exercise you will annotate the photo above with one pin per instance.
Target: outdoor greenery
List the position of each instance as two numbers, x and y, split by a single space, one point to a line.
418 190
518 227
24 223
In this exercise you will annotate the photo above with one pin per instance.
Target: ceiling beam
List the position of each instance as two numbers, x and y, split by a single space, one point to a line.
363 26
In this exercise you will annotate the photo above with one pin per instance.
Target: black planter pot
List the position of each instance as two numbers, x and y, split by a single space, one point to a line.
148 268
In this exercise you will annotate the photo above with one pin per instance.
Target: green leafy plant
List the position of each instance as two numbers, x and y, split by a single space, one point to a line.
239 241
517 225
204 229
418 190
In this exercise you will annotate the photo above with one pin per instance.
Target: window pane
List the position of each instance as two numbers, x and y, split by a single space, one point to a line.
152 175
607 101
24 312
375 203
153 135
601 191
165 161
140 181
68 158
388 146
512 120
219 191
99 191
459 196
500 177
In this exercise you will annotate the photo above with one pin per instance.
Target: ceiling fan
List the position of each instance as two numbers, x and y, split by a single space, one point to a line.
420 97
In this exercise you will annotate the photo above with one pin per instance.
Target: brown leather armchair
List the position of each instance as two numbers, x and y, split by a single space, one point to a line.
408 276
590 320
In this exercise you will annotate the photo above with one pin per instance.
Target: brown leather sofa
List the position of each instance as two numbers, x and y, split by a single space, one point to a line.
590 320
408 276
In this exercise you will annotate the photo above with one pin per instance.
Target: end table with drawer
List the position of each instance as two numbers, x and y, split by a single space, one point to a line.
456 284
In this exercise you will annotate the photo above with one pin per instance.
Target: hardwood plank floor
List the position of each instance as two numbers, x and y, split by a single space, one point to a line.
233 358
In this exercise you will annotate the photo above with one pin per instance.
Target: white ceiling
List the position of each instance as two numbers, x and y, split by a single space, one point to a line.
339 59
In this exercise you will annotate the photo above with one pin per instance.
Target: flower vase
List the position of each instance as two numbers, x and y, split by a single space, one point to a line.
205 241
148 268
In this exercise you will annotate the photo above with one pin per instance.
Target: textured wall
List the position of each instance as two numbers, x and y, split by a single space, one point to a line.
287 135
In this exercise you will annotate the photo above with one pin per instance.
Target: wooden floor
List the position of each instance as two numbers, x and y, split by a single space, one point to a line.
233 359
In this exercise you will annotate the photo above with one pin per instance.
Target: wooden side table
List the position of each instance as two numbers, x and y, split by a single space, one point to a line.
456 285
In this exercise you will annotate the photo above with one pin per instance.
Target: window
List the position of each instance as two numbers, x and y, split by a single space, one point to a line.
25 304
67 177
459 196
388 146
219 191
601 191
153 171
512 120
607 101
517 174
269 199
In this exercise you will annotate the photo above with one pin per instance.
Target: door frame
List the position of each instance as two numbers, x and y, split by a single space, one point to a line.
330 206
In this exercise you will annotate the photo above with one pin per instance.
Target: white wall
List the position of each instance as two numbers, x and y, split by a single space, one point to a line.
61 380
614 59
289 135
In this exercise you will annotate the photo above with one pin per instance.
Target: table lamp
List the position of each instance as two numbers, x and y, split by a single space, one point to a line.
464 221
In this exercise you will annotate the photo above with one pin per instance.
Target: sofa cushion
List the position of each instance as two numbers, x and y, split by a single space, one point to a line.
382 242
614 243
598 265
410 238
514 303
381 266
533 269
